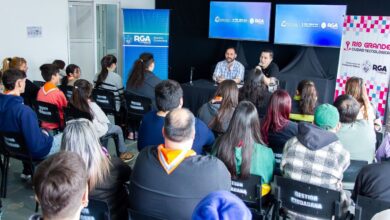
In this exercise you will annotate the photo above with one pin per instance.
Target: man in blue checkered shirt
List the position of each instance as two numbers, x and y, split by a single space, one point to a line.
229 68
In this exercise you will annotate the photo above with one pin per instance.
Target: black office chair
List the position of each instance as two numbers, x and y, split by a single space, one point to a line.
249 191
106 100
72 113
305 199
136 215
366 208
47 112
67 90
97 210
38 83
12 145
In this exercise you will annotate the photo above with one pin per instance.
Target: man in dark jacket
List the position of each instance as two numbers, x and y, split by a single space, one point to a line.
17 117
169 180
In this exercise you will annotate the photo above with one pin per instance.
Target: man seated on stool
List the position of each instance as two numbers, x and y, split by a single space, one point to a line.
267 67
229 68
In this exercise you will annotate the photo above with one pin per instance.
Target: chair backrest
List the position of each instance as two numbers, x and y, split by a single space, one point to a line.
13 145
248 190
105 99
47 112
137 105
353 170
72 113
38 83
97 210
306 199
136 215
366 208
67 90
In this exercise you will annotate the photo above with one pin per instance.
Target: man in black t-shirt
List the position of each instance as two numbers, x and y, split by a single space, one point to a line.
269 68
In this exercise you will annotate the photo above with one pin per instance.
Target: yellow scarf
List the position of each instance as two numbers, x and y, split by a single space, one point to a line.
170 159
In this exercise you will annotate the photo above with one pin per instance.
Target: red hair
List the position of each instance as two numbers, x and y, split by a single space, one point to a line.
278 113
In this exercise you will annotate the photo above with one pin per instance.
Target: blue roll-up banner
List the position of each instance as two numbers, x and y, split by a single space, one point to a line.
145 30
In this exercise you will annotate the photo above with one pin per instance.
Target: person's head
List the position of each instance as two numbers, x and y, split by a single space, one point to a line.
59 63
308 96
14 80
230 54
354 87
228 90
169 95
221 205
266 58
50 73
108 64
348 108
80 137
60 185
143 64
327 117
254 89
73 72
278 113
81 93
243 131
179 128
15 63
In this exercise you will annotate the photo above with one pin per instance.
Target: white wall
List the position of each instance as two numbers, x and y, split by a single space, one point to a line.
141 4
51 15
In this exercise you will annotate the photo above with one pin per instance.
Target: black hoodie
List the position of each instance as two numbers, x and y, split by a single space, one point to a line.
314 137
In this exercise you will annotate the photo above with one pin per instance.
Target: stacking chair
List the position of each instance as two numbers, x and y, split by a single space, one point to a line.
13 145
38 83
305 199
105 99
137 106
249 191
97 210
67 90
48 112
136 215
351 173
366 208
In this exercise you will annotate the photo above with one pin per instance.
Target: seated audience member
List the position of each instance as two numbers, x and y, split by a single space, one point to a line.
17 117
269 68
229 68
107 175
61 66
256 91
356 136
304 102
31 90
383 151
221 205
315 155
73 73
276 127
357 89
61 186
169 96
141 80
169 180
241 148
81 106
49 93
109 80
218 112
373 181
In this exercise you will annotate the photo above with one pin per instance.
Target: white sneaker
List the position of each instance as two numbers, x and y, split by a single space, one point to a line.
25 177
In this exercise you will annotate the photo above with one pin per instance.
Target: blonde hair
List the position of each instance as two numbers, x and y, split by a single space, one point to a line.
80 137
14 63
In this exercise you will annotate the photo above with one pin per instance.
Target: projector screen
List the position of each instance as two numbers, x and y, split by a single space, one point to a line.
311 25
240 20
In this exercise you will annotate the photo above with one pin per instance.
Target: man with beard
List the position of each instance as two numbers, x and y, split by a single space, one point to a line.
229 68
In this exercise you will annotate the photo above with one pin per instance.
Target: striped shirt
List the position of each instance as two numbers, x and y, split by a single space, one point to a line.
222 70
114 84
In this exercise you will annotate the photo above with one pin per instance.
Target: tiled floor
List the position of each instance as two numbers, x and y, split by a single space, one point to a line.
20 203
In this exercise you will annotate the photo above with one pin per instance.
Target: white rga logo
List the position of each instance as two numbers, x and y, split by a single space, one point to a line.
142 39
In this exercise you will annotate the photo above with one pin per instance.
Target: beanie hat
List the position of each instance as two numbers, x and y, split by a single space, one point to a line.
221 205
326 116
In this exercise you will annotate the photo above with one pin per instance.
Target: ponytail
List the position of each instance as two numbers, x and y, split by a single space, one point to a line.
137 74
82 90
106 62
